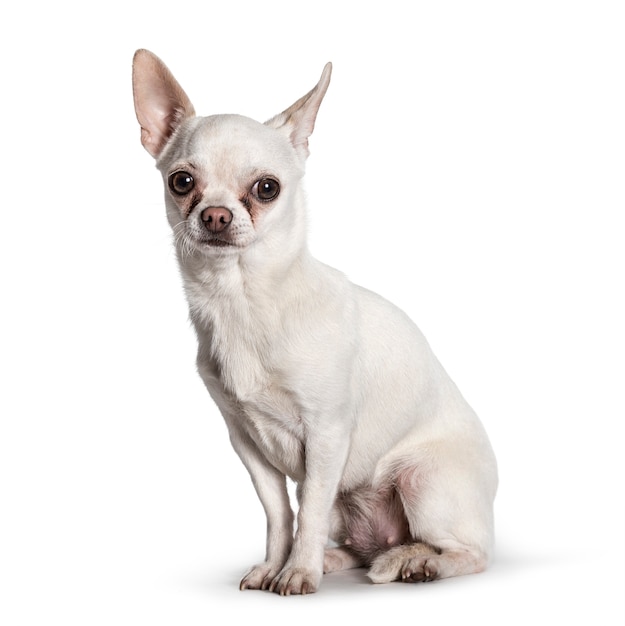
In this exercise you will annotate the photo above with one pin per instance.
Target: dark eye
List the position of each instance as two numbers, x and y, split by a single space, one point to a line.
267 189
181 183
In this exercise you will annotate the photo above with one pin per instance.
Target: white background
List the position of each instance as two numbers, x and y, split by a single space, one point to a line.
467 163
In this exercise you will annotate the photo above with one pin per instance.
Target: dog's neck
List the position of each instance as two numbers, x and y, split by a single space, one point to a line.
251 280
238 305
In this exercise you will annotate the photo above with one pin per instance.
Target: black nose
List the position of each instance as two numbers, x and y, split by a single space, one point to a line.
216 219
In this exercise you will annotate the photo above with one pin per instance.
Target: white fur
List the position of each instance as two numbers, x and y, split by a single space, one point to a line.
318 379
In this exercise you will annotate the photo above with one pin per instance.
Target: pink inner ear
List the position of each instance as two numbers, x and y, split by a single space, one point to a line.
301 115
299 141
160 103
304 123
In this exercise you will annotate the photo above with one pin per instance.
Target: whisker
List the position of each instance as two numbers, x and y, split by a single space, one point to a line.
183 240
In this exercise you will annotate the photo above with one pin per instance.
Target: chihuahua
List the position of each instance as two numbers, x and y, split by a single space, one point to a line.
318 380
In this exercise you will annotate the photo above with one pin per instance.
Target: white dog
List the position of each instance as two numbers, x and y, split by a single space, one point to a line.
318 380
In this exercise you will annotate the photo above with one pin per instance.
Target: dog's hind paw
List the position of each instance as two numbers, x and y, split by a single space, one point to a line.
406 562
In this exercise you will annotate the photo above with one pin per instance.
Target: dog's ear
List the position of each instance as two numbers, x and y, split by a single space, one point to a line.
160 102
299 119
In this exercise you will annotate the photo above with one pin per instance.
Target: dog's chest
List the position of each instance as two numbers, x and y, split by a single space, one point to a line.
239 359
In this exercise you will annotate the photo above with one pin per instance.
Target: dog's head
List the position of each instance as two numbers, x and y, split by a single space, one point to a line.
229 180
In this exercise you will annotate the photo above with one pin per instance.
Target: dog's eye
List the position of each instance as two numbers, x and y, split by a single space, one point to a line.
181 183
266 189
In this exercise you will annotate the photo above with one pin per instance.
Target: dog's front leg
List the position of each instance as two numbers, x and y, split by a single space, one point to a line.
270 486
326 452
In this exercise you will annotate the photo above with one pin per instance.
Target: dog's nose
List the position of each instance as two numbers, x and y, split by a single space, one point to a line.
216 219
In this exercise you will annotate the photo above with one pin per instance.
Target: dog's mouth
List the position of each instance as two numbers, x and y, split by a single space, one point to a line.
217 243
190 241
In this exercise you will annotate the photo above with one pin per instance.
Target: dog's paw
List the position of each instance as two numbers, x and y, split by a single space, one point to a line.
260 576
385 569
420 570
296 581
410 563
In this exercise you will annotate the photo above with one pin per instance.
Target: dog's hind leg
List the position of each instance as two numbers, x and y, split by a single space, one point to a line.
420 562
448 505
338 559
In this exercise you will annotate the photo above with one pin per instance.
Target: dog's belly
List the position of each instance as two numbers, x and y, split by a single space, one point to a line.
370 520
